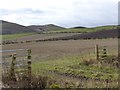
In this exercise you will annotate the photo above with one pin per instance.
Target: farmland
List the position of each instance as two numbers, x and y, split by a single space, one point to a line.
65 34
77 57
15 36
82 30
65 62
34 36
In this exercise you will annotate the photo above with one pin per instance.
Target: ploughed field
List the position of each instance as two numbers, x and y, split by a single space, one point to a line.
72 63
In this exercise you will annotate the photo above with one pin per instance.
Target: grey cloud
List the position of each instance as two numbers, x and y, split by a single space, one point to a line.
28 11
78 13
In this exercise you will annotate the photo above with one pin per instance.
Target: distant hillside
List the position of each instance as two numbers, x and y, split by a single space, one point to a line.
48 27
83 29
13 28
78 27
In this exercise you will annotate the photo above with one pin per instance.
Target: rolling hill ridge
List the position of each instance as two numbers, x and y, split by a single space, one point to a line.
47 27
13 28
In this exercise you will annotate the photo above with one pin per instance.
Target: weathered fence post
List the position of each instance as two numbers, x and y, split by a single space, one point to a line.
96 52
12 68
104 52
29 63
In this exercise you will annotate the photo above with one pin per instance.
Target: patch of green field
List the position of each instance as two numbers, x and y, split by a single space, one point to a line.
81 30
105 27
13 36
74 66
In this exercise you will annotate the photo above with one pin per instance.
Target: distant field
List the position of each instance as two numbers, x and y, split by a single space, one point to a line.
61 48
82 30
54 33
35 36
15 36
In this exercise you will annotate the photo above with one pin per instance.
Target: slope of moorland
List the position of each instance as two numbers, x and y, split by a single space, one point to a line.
48 27
13 28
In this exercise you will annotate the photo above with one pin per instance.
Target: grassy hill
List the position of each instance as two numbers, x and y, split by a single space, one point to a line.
49 27
13 28
82 30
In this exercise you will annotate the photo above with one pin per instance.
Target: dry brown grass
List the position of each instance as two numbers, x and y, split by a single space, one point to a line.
60 48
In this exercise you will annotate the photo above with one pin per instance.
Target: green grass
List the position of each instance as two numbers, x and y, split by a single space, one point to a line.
81 30
13 36
73 66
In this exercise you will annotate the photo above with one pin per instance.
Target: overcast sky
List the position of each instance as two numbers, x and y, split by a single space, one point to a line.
67 13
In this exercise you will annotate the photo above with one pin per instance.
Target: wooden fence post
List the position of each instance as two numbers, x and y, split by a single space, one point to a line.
96 52
104 52
29 63
12 68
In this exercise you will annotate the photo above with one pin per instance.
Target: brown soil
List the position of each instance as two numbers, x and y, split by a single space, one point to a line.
60 48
